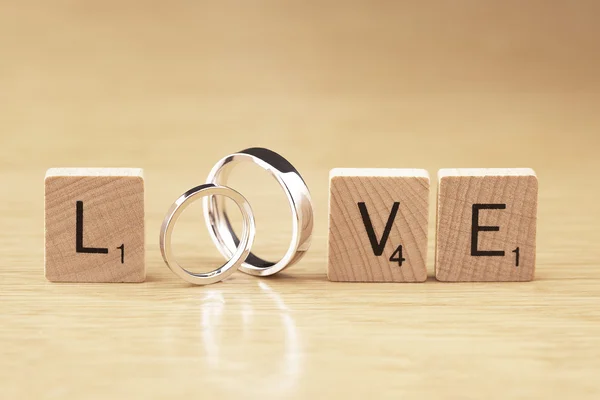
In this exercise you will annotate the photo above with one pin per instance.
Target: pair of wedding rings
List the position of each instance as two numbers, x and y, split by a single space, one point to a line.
238 250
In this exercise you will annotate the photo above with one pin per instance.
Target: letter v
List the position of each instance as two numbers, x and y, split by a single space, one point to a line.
378 246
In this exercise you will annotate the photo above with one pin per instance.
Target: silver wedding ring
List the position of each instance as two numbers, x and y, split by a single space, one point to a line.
239 253
233 248
298 197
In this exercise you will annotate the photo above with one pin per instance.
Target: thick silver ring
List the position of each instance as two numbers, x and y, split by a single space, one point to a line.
297 194
237 256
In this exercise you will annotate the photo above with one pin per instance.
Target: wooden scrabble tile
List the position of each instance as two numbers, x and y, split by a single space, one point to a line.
378 225
94 225
486 225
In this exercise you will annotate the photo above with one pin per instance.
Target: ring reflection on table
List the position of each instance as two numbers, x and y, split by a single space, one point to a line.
218 315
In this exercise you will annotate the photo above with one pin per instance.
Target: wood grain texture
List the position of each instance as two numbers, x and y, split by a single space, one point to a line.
386 240
174 86
94 220
486 225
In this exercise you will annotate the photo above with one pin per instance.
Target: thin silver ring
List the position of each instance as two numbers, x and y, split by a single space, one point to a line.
237 257
298 197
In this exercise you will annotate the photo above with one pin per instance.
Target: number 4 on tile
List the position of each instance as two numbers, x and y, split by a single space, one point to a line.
399 257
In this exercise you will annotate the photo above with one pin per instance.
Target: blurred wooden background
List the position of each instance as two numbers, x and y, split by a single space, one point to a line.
171 87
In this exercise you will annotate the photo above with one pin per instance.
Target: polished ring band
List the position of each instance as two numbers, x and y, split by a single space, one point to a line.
237 256
297 194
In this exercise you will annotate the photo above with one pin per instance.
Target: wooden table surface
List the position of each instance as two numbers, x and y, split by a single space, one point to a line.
172 87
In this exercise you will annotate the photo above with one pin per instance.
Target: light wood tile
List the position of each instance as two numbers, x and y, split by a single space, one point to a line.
94 225
378 225
486 224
